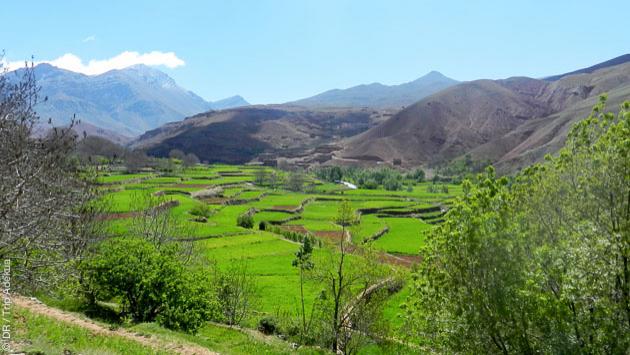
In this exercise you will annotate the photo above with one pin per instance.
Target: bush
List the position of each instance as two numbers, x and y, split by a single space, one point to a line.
369 184
267 325
245 220
418 175
201 210
392 184
151 283
189 304
437 188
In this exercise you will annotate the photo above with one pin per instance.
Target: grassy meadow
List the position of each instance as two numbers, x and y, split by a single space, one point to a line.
393 223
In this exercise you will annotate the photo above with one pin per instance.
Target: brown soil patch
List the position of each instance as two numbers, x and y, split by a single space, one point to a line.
295 228
285 208
97 329
399 259
179 186
332 235
214 200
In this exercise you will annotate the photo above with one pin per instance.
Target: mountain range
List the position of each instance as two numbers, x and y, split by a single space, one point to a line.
431 120
128 101
377 95
511 122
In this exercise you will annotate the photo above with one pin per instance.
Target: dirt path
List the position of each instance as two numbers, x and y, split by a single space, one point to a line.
97 329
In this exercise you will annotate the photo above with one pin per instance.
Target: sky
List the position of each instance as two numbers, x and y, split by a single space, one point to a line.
273 51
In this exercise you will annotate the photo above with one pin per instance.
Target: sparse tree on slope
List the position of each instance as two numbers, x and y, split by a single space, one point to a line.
348 282
303 262
46 203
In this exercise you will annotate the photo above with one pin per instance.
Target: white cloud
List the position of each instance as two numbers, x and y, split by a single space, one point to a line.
89 39
11 65
125 59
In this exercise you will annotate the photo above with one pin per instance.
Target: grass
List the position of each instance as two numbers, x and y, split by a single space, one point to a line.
405 236
268 259
268 256
41 334
225 340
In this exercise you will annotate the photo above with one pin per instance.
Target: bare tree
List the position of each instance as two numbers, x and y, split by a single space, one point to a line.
91 149
347 309
190 160
46 202
155 223
236 293
296 181
135 160
177 154
261 176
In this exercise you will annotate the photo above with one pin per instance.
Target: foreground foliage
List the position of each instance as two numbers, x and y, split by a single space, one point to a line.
151 283
540 263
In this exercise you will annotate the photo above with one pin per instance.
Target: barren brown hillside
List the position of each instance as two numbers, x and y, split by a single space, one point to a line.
513 122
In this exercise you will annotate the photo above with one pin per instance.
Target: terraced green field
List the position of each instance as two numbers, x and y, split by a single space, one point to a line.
395 223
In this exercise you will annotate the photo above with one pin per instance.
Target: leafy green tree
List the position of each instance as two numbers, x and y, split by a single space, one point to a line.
538 264
151 283
392 184
577 210
418 175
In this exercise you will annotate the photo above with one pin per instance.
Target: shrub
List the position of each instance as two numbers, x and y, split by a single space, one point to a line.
201 210
245 220
189 304
437 188
267 325
369 184
417 175
392 184
151 282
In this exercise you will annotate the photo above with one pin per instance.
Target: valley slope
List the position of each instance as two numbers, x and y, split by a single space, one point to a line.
512 122
239 135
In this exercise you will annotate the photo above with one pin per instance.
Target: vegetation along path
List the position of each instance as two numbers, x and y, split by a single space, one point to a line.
37 307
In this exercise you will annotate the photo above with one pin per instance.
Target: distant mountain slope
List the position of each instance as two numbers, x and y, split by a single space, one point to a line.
86 129
239 135
129 101
513 122
230 102
380 96
609 63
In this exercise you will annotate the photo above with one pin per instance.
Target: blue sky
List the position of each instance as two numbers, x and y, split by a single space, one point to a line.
279 50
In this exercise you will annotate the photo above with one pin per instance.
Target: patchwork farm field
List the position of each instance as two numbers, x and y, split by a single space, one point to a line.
206 201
